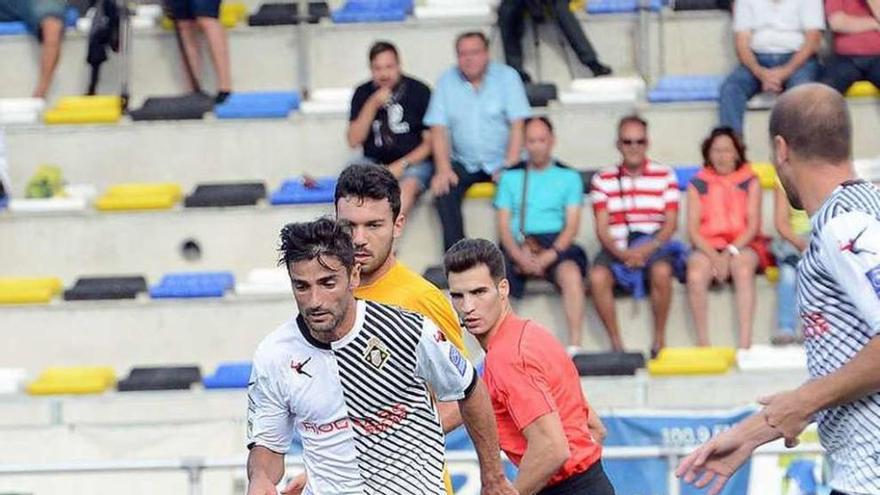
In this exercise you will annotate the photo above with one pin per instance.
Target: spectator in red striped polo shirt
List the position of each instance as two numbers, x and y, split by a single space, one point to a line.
636 208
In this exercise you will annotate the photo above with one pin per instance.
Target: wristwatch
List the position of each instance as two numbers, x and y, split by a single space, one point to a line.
733 250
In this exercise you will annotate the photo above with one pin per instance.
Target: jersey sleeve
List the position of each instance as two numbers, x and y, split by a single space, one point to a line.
850 245
269 420
449 374
523 389
434 305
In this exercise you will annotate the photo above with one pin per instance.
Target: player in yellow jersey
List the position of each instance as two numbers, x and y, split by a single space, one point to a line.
368 202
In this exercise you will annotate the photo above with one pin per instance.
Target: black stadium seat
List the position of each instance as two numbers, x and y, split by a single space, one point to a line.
608 363
187 107
281 14
98 288
229 194
160 378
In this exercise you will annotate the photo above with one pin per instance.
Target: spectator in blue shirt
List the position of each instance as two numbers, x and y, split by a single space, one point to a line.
476 118
538 207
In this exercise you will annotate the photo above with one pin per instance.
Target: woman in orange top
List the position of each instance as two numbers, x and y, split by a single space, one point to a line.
724 216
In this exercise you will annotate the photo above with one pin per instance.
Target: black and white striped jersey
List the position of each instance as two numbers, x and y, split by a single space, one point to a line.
839 304
361 405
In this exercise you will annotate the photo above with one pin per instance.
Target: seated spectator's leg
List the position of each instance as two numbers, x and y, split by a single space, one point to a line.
574 32
514 278
511 23
415 180
189 39
449 205
699 278
51 33
219 47
602 290
735 92
786 305
568 274
809 72
661 298
742 271
840 73
873 72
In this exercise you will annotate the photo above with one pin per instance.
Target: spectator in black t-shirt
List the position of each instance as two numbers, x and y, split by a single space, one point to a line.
386 120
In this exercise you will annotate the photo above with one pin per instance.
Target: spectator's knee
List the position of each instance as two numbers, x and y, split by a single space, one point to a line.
600 279
51 29
661 275
697 274
205 23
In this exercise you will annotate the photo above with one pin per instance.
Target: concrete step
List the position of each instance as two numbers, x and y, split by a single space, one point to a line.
215 150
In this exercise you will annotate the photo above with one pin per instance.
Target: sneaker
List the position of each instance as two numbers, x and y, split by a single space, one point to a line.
221 97
599 69
784 338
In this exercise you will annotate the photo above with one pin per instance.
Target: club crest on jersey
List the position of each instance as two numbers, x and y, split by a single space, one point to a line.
377 353
874 277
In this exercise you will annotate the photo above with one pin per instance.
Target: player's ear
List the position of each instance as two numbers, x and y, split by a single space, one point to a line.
780 151
504 288
354 280
399 224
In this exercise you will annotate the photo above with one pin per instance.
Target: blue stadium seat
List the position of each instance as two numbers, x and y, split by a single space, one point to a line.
229 375
294 192
620 6
71 15
685 174
258 105
4 202
686 88
373 11
186 285
12 28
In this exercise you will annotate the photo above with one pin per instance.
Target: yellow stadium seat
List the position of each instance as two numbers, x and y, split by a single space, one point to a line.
88 102
232 13
766 173
772 274
481 190
725 354
146 189
125 197
73 380
32 290
862 89
657 367
85 110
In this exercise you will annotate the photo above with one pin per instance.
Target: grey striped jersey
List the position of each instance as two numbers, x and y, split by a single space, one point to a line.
361 405
839 305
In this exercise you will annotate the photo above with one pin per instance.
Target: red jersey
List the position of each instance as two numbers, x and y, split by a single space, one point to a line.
528 375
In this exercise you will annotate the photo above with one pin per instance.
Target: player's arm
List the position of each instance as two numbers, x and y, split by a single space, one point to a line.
479 419
269 428
264 469
594 424
546 451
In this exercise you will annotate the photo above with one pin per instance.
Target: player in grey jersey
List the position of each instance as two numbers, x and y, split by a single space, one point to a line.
838 301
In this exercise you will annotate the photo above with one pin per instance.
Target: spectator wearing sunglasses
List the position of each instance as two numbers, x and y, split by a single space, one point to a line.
636 209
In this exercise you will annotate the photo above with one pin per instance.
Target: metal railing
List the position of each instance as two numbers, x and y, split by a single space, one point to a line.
194 467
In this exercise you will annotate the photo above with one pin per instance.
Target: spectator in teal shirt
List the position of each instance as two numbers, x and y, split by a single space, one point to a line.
476 118
537 235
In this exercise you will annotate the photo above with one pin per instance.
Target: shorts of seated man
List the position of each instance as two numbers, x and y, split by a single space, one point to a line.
572 253
188 10
606 259
593 481
421 171
31 12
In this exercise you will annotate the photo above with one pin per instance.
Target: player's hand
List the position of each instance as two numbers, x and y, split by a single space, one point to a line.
380 97
296 485
497 486
261 486
442 181
788 413
715 460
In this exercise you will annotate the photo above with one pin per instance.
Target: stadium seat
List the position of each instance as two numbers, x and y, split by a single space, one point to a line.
265 282
12 28
49 205
229 375
481 190
186 107
147 196
258 105
12 380
280 14
685 88
685 5
160 378
85 110
603 90
28 290
608 363
186 285
327 101
21 110
685 174
101 288
620 6
452 10
862 89
73 380
766 173
372 11
587 178
232 13
294 192
229 194
765 357
692 361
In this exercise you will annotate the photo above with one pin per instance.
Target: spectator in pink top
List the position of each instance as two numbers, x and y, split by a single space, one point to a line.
856 28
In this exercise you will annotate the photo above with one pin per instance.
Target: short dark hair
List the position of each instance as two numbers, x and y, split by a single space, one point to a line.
631 119
316 240
472 34
539 118
468 253
737 143
369 182
382 47
814 121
